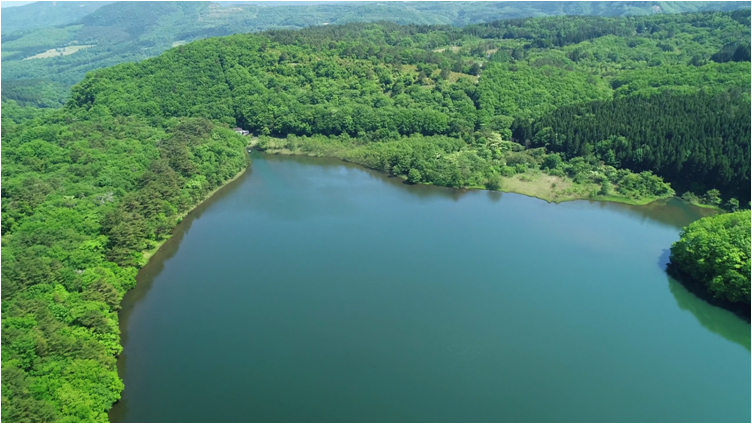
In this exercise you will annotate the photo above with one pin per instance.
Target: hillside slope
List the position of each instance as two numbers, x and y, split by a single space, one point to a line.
133 31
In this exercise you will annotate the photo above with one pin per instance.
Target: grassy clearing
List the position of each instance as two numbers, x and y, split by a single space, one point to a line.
561 189
62 51
453 49
542 186
454 76
626 200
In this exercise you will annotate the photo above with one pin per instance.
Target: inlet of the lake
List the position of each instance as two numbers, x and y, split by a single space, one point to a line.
310 290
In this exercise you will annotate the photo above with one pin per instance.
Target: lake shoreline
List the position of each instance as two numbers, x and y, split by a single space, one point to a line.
698 289
530 190
149 253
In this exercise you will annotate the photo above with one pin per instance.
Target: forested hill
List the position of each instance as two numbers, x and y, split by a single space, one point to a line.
628 109
47 48
383 81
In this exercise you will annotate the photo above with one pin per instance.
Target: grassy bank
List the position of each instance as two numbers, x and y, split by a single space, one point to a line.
705 206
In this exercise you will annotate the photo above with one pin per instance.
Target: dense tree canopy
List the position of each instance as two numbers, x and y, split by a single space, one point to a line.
715 251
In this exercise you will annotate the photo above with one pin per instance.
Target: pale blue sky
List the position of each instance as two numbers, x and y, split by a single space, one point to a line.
267 3
14 3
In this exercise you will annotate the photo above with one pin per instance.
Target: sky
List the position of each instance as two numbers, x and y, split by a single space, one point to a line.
5 4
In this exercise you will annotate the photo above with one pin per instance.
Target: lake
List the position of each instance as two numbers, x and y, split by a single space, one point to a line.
309 290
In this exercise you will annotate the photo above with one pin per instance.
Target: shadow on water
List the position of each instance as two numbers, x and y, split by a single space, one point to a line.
714 318
152 269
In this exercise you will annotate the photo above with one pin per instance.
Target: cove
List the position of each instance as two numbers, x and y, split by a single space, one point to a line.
309 290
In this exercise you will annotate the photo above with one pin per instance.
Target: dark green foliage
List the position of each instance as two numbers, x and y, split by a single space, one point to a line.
696 142
732 52
716 252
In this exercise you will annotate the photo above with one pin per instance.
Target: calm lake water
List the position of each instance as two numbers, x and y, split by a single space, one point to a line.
311 290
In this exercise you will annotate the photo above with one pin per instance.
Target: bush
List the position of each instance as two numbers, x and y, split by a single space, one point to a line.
414 176
508 171
712 197
494 183
552 161
607 188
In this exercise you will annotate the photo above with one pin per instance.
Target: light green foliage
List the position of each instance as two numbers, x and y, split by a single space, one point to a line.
82 196
414 176
366 82
494 183
716 252
712 197
711 78
520 90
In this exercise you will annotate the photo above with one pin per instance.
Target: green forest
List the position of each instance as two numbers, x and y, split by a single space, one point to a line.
630 109
117 32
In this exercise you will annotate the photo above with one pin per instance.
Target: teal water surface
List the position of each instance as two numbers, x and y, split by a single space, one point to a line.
314 291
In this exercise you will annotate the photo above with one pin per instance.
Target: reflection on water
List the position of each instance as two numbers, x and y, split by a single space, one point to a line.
718 320
153 268
495 196
421 191
673 212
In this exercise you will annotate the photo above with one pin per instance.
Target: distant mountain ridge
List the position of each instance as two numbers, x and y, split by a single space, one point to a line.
44 14
45 51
